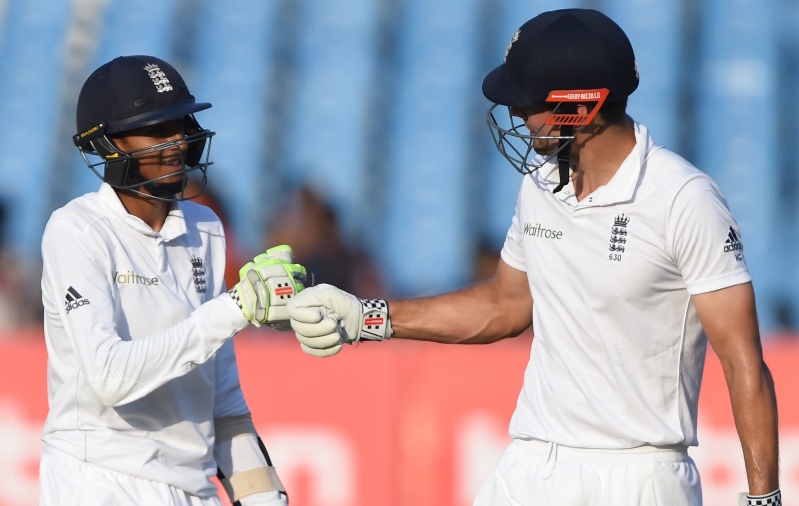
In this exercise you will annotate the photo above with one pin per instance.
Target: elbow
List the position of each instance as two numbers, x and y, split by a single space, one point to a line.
513 324
754 376
497 331
520 327
111 390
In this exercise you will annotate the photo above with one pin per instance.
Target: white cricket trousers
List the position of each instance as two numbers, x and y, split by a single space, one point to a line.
67 481
539 473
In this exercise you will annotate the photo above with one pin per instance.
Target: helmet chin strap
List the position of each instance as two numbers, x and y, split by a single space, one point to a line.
164 190
564 158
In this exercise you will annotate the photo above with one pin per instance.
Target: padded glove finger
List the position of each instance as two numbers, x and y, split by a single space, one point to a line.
327 352
323 328
320 342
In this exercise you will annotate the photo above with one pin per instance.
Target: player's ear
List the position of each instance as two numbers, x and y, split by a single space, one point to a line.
598 122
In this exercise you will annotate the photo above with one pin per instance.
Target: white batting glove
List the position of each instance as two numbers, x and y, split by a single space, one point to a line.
267 284
325 317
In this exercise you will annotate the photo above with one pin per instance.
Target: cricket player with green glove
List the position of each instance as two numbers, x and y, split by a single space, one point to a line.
145 401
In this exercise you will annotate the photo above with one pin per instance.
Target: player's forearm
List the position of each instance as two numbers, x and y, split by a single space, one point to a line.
474 315
121 372
755 410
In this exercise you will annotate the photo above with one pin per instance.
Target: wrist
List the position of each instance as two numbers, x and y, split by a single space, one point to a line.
375 320
241 314
771 499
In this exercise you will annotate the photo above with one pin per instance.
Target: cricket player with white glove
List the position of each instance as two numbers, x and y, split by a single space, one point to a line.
144 395
634 262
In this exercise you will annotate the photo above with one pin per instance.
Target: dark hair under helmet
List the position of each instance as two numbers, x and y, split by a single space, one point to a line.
567 49
130 92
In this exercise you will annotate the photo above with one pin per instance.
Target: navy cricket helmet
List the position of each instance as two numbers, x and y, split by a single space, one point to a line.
131 92
555 61
567 49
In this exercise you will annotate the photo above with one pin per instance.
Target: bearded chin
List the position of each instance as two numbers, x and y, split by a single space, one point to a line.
546 150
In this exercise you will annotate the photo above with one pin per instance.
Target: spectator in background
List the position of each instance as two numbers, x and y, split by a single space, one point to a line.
485 261
19 306
12 314
312 228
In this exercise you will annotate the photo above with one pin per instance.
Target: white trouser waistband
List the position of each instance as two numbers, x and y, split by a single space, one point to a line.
646 453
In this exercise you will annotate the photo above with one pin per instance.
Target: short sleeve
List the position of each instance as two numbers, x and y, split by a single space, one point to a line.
704 238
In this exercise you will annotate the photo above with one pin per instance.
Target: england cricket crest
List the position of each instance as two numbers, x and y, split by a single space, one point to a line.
618 237
198 273
158 77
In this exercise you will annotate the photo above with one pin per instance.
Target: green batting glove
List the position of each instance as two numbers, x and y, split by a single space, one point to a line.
267 284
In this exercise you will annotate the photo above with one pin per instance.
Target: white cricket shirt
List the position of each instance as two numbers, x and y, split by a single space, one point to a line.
618 352
139 356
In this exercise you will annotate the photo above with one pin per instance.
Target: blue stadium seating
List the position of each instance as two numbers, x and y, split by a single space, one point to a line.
382 112
30 93
329 121
786 130
232 66
654 30
427 224
737 144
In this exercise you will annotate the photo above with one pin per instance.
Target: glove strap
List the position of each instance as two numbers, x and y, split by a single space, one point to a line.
771 499
375 320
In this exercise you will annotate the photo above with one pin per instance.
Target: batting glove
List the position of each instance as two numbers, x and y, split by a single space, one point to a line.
325 317
267 284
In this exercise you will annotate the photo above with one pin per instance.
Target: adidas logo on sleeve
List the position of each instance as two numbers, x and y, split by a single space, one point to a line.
74 300
733 245
733 242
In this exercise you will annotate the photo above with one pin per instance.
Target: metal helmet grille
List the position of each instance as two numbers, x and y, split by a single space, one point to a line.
516 146
120 169
516 143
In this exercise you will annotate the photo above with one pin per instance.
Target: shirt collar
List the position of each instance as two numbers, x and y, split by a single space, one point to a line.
620 188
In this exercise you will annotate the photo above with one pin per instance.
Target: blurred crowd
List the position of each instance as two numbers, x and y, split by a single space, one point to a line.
20 294
306 221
